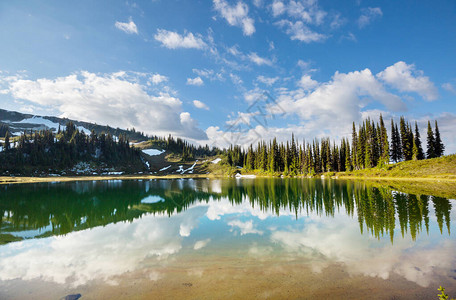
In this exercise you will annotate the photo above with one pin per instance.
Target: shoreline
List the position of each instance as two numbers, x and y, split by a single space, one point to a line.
28 179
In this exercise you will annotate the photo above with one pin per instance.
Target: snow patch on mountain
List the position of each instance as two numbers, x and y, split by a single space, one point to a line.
153 152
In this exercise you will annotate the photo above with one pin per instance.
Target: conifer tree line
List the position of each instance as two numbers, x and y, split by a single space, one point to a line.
369 147
46 149
181 147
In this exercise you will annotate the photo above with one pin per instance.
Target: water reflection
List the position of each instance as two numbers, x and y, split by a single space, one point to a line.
41 210
149 226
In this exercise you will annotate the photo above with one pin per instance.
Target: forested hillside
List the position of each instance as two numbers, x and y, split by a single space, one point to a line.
53 152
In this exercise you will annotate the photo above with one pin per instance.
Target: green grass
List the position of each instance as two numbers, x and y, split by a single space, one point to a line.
437 168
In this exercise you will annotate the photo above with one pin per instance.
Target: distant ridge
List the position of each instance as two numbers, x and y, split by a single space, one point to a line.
20 122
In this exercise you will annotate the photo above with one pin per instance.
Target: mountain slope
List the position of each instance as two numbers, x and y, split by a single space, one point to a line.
19 122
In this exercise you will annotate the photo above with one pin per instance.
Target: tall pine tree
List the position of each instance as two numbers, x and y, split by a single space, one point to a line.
417 141
430 153
439 148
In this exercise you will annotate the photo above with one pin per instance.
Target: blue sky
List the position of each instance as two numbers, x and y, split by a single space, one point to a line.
231 71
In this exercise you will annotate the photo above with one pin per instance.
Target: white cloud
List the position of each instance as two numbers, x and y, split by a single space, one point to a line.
406 79
253 57
267 80
236 79
337 21
301 32
195 81
350 37
307 83
307 11
254 95
242 118
174 40
258 3
200 105
209 74
278 8
236 15
317 109
118 99
157 78
449 87
368 15
129 27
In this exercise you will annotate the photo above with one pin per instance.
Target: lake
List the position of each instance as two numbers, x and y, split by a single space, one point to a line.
263 238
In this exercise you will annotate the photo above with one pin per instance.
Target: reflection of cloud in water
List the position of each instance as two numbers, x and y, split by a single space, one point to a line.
337 240
99 253
105 252
224 207
245 227
201 244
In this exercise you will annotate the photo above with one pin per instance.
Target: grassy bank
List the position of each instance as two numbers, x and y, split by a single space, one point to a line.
11 180
442 168
417 176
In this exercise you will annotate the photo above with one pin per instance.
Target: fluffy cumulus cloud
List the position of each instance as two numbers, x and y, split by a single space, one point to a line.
129 27
174 40
406 78
236 15
368 15
195 81
307 83
200 105
316 109
118 99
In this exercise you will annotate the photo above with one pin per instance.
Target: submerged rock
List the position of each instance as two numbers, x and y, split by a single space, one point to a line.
72 297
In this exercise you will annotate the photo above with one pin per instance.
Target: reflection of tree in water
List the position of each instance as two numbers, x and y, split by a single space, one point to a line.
76 206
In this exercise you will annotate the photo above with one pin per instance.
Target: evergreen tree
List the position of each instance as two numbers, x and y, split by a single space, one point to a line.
368 156
417 141
354 153
361 147
384 145
396 149
439 148
430 153
348 162
7 141
406 143
415 151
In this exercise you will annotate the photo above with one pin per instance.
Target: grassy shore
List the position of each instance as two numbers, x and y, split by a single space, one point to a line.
11 180
442 168
422 173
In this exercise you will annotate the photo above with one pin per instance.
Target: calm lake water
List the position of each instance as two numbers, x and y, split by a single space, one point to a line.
227 238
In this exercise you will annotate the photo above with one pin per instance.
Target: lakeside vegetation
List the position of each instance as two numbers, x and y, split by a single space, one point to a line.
369 147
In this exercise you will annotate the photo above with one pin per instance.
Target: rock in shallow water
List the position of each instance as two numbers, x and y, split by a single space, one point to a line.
72 297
